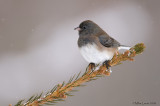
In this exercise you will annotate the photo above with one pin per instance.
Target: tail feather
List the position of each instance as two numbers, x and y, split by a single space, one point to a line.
124 47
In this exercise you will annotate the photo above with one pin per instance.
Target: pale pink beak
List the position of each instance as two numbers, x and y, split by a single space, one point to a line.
78 29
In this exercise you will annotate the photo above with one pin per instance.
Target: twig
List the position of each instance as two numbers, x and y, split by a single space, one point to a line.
61 91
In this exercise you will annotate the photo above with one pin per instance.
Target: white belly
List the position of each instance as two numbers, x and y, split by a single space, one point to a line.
92 54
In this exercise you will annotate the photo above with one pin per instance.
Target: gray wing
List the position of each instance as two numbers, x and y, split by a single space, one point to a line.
108 41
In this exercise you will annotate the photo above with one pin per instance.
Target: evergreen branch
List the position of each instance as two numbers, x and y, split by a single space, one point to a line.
61 91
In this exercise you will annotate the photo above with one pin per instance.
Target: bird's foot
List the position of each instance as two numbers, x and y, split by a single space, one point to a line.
107 64
92 66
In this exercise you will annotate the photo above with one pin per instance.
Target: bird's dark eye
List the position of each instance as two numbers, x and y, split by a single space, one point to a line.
84 27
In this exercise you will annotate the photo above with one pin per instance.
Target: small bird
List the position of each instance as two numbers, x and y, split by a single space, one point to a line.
95 45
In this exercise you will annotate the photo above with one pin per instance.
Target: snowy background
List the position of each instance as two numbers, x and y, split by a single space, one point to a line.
38 49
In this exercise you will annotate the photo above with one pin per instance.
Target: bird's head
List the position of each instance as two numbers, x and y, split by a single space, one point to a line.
88 28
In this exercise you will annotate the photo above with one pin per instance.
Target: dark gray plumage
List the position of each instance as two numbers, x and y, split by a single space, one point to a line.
108 41
89 29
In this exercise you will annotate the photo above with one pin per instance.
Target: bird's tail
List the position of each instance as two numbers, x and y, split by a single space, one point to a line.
124 47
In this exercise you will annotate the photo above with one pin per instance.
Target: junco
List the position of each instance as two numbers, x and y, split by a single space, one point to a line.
95 45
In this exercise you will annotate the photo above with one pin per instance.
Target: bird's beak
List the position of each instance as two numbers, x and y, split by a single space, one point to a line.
77 28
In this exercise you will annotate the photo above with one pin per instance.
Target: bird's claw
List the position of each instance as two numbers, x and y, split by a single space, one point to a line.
92 66
107 64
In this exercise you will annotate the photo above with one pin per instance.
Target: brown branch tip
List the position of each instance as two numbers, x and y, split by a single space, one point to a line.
61 91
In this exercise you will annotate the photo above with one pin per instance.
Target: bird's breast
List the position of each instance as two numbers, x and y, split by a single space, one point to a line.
92 53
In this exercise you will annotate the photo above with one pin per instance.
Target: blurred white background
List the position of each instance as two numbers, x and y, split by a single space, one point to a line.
38 49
